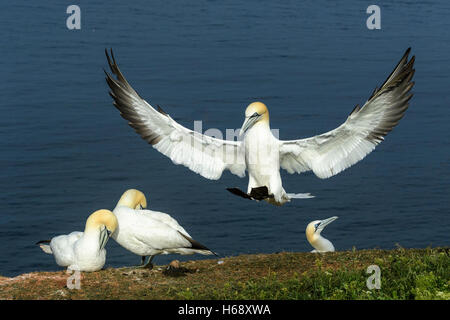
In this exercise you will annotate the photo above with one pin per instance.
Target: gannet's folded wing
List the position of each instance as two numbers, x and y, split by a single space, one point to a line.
332 152
202 154
164 218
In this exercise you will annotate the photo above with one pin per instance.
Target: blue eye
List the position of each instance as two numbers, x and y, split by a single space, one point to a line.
254 115
316 225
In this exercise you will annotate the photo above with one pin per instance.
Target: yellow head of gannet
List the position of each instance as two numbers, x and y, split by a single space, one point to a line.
256 113
102 218
103 221
133 199
313 236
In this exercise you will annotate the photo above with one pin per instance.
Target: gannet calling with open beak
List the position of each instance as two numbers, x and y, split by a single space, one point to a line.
261 153
149 233
83 251
313 236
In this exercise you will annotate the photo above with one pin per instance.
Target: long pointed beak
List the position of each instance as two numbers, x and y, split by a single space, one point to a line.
244 127
104 237
326 222
248 123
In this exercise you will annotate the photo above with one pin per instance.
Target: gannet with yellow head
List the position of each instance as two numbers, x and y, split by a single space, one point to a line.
261 149
260 153
319 243
83 251
149 233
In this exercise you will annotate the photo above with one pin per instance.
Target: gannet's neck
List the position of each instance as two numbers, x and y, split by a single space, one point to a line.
320 243
264 123
99 226
90 240
260 130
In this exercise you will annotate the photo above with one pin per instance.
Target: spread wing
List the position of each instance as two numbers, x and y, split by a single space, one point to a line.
202 154
334 151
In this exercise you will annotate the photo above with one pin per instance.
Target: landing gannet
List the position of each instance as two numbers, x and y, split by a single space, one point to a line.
260 152
149 233
313 236
83 251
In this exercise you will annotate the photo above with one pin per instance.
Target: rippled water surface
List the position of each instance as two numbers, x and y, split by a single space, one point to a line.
66 152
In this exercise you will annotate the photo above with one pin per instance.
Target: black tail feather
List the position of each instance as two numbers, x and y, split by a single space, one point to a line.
259 193
239 192
43 241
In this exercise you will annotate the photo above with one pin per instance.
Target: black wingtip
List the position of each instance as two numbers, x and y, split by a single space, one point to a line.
112 55
107 57
406 54
357 107
111 60
195 244
160 110
403 64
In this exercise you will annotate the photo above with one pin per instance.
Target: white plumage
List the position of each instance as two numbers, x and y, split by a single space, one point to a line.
260 153
83 251
149 233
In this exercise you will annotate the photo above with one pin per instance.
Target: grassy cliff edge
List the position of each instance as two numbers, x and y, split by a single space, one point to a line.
404 274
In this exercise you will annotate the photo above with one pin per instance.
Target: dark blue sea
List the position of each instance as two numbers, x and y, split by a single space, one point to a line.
66 152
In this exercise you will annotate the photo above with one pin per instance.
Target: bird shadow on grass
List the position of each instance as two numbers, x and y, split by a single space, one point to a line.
177 272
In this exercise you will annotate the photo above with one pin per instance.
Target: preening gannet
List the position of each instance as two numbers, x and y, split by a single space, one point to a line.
149 233
313 236
83 251
260 153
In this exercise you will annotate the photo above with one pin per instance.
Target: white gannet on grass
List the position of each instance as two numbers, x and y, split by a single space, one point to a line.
83 251
149 233
260 152
319 243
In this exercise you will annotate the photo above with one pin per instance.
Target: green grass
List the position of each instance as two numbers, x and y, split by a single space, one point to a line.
414 275
405 274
